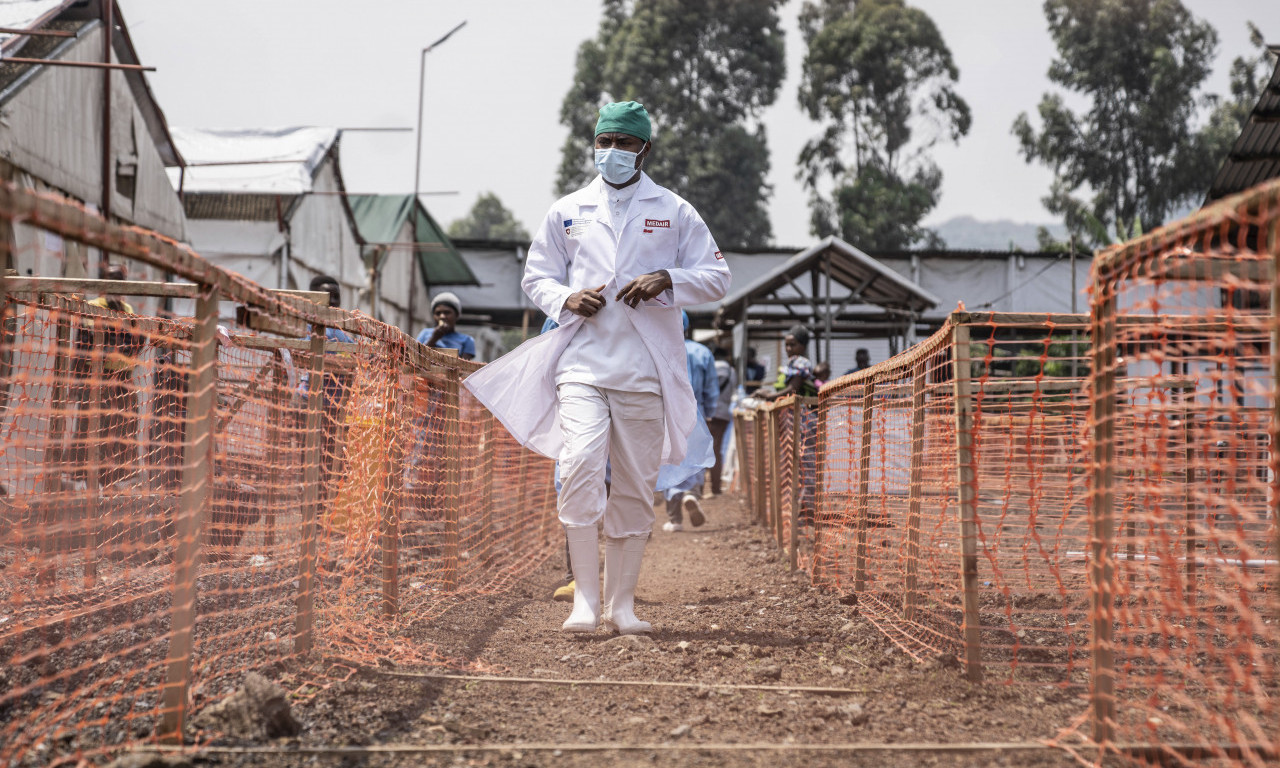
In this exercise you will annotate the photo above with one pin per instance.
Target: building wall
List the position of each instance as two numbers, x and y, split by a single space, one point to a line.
322 241
51 128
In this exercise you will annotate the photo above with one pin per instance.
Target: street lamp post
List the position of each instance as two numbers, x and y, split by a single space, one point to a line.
417 168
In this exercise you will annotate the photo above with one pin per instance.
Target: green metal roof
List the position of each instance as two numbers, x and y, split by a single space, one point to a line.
379 219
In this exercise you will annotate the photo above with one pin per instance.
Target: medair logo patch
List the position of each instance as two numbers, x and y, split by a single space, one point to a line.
658 223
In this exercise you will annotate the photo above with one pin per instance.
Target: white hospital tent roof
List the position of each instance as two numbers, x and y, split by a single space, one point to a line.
279 161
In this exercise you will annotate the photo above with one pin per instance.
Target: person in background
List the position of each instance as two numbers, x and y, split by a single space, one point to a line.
727 379
681 497
446 308
754 370
612 263
335 388
796 377
861 360
821 374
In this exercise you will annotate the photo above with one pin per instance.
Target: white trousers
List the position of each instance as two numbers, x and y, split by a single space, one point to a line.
603 426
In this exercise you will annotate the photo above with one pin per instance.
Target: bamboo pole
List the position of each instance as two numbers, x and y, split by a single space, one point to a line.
1102 517
967 469
193 507
312 458
914 492
864 486
452 478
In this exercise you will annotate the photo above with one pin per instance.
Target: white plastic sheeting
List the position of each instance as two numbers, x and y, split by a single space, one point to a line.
273 161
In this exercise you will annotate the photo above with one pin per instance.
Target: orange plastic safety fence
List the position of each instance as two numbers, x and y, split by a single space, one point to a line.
1083 502
186 499
1186 614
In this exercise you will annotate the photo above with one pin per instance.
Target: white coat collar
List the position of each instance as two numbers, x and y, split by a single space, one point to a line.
646 189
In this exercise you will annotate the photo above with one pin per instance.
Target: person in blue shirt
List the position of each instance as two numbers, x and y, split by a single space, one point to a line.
446 308
681 497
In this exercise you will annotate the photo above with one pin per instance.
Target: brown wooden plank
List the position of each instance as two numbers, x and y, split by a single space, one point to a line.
193 507
85 286
967 490
312 457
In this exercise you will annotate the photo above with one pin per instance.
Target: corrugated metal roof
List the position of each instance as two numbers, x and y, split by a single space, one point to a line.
225 205
26 14
1255 157
379 220
872 282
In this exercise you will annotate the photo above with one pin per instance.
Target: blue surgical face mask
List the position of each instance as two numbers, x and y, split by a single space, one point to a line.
617 166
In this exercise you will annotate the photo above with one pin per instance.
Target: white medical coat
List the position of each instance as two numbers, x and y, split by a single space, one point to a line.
578 247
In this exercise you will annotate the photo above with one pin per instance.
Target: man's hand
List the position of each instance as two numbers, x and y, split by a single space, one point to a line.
586 302
644 287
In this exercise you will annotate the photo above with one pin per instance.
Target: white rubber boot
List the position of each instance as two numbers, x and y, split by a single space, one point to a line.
622 559
584 556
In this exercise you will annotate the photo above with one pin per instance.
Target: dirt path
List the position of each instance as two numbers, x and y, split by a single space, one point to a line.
727 614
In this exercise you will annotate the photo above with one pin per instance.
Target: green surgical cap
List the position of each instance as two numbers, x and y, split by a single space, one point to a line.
624 117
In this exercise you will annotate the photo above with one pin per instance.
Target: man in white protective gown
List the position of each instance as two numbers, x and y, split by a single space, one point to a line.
612 263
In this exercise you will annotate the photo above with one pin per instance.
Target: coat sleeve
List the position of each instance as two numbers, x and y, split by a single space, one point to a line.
701 274
546 270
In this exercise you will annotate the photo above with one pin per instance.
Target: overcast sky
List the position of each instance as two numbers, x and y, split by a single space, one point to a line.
493 90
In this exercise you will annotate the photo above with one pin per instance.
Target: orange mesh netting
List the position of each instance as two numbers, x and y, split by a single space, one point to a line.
1084 502
183 500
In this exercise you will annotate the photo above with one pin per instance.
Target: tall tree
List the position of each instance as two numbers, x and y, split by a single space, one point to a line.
488 219
705 69
880 77
1134 154
1249 76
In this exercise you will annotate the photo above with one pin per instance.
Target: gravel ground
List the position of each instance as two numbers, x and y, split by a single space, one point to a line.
727 615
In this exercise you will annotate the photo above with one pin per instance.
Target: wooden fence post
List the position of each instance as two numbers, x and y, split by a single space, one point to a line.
761 504
50 527
967 489
864 486
1102 516
743 475
797 478
395 425
93 456
775 474
820 494
312 457
915 491
488 467
193 508
275 417
452 477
